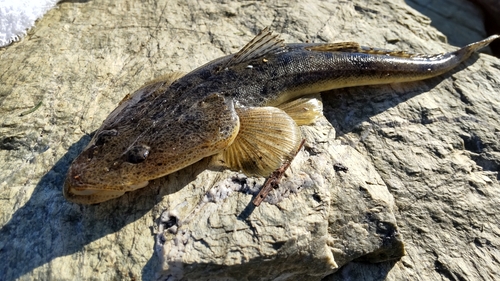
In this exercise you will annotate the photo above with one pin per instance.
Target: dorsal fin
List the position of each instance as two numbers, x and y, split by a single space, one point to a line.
264 43
400 54
353 47
336 47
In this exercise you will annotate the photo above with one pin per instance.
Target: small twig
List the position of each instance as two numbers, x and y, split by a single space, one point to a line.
30 110
274 179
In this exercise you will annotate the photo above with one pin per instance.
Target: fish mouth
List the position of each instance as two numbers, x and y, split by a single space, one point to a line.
78 184
73 185
77 191
88 194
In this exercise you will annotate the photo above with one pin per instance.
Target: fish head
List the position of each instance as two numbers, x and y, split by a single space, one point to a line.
148 136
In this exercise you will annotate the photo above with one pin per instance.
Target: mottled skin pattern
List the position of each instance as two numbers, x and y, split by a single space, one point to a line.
174 122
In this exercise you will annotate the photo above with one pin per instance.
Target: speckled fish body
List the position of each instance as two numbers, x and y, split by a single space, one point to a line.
235 106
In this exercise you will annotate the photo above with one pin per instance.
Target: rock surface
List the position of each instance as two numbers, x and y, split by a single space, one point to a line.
423 157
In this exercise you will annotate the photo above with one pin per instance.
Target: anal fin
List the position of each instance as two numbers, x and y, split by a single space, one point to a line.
304 111
266 139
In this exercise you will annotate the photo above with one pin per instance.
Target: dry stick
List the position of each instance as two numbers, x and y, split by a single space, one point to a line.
274 179
31 110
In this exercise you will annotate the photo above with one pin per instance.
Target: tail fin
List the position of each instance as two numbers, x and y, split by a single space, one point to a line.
468 50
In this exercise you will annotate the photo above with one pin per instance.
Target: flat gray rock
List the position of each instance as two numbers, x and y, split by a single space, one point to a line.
422 158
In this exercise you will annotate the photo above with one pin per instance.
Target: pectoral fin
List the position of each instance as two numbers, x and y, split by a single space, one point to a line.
304 111
267 137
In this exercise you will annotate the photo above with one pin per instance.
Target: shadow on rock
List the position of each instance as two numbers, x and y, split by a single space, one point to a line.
347 108
48 226
365 271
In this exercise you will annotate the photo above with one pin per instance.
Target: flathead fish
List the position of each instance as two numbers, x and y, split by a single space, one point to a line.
244 108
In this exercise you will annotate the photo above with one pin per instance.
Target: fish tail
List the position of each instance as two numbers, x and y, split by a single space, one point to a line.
465 52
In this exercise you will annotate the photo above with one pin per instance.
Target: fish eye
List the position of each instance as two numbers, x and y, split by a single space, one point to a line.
138 154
